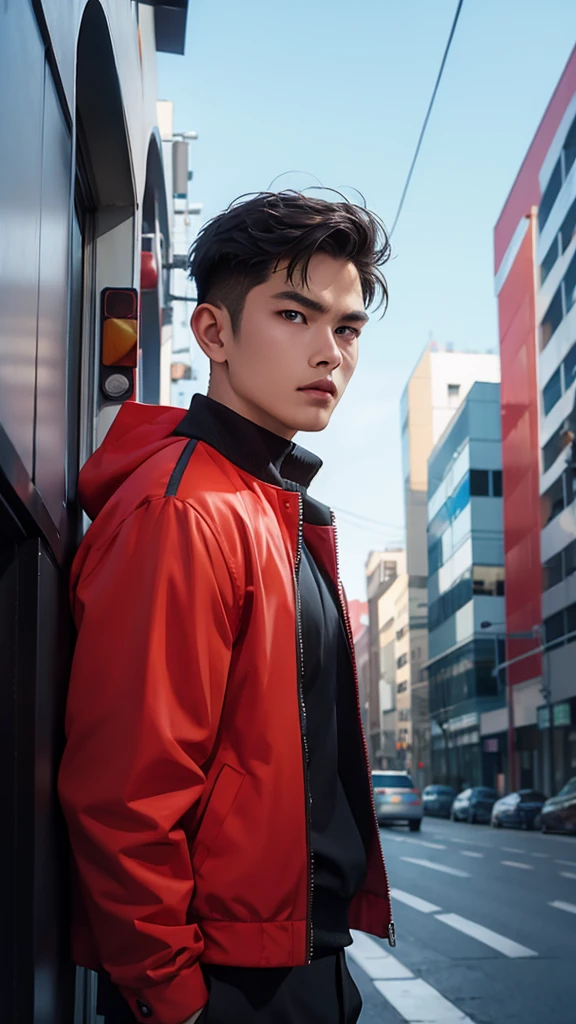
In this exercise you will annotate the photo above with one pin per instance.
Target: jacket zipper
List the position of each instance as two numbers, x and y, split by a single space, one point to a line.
344 607
303 727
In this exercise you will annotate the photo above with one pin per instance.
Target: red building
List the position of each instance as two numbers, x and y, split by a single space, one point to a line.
535 278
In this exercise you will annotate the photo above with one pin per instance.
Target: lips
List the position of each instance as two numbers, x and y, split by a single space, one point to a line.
325 385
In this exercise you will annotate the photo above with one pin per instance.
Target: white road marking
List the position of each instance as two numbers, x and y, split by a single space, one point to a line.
569 863
470 853
540 854
512 849
437 867
414 901
423 842
568 874
467 842
416 1001
374 960
561 905
517 864
477 931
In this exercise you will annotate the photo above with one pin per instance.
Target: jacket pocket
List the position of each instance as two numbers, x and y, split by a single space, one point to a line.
224 792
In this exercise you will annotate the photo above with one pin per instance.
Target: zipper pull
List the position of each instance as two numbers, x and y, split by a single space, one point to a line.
392 934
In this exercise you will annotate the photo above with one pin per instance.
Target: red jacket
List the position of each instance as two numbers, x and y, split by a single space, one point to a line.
183 781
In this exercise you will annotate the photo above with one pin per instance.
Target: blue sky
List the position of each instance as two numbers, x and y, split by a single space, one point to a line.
338 92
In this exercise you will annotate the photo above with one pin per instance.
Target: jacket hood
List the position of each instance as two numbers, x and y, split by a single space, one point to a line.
137 433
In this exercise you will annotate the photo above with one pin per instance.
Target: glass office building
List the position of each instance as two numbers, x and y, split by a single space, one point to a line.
465 589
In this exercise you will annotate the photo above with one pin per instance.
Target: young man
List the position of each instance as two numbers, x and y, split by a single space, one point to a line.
215 780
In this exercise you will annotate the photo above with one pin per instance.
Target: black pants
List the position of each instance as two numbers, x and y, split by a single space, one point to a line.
322 993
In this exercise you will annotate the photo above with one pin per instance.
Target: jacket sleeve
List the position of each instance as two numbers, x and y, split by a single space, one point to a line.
156 613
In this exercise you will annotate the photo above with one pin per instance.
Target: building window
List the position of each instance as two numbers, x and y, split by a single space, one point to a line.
488 580
550 193
549 260
553 448
554 627
570 284
560 566
570 149
552 572
552 392
552 319
451 601
453 391
552 501
497 483
569 365
568 227
569 557
401 661
479 483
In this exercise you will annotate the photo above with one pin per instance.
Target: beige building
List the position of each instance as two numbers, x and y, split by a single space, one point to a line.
393 621
439 383
382 568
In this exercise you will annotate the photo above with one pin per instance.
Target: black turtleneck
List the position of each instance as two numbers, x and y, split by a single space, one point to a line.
339 855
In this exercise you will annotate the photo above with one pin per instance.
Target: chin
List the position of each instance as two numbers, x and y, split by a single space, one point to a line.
313 423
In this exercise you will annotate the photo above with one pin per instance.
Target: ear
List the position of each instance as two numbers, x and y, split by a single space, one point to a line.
212 330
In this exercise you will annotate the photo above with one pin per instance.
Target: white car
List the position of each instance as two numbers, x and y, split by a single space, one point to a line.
397 799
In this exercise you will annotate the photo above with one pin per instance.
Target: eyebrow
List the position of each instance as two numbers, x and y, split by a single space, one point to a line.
355 316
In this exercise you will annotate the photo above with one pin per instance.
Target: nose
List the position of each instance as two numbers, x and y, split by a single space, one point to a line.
326 351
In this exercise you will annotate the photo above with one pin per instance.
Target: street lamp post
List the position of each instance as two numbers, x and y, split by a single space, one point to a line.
546 691
532 635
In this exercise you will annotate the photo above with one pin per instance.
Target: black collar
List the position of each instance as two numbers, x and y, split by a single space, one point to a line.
252 448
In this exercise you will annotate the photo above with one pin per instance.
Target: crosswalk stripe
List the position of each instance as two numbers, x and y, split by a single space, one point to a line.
416 1001
517 864
414 901
570 908
437 867
470 853
477 931
568 874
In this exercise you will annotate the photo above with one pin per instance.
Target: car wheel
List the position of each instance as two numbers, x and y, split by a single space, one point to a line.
414 826
453 816
471 818
537 823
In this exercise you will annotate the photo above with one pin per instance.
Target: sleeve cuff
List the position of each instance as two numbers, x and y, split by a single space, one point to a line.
172 1002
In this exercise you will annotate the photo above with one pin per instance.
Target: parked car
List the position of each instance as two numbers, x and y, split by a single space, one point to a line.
518 810
438 800
396 799
474 804
559 813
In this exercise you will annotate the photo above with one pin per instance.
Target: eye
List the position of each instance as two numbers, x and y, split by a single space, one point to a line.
351 332
292 316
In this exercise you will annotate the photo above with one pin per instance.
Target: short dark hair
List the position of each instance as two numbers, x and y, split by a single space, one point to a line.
239 249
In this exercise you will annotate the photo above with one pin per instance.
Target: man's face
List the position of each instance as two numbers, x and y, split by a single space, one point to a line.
291 337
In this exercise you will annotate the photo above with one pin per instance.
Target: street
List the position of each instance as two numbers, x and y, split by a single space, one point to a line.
486 929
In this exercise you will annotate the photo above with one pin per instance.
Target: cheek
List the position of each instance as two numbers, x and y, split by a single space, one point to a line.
349 362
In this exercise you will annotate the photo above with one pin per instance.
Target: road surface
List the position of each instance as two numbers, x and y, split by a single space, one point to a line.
486 928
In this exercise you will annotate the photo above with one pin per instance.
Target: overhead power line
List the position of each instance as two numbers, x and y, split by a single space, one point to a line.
367 519
427 118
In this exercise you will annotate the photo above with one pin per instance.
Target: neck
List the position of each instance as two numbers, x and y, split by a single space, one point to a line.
222 392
